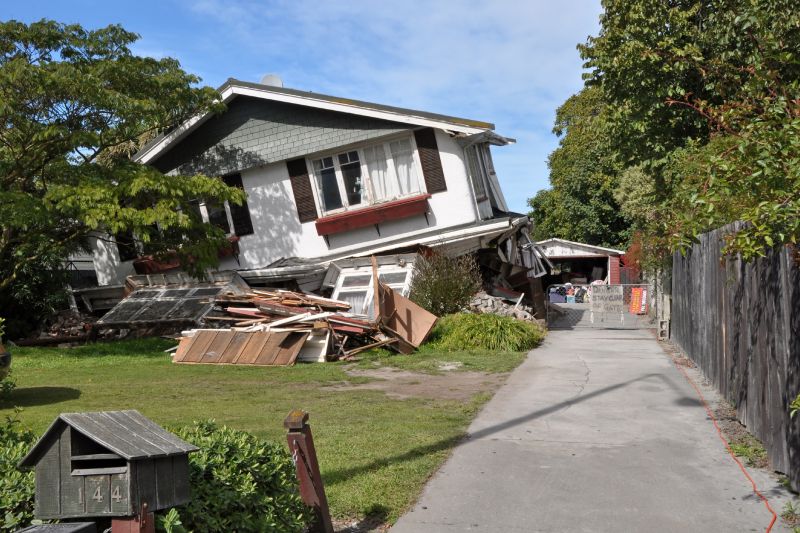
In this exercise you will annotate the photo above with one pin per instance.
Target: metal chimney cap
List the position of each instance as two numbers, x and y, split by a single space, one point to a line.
273 80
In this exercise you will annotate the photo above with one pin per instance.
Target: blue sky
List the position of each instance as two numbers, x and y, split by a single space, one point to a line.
511 63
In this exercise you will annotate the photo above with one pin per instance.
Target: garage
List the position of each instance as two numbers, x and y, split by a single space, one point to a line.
579 263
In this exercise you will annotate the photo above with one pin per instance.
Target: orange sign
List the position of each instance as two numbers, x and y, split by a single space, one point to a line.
638 301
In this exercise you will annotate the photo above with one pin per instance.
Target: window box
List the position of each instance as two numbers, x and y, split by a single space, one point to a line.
370 216
148 264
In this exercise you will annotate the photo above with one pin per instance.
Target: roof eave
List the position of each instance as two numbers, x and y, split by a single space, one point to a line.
232 88
611 250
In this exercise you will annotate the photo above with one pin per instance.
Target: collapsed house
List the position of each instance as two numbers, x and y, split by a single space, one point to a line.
331 182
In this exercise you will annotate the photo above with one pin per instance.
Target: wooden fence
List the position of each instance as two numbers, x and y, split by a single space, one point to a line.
740 322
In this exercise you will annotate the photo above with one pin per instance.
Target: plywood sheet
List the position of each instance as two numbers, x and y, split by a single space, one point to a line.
401 315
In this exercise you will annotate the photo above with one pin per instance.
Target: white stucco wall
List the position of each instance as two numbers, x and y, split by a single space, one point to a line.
109 269
279 233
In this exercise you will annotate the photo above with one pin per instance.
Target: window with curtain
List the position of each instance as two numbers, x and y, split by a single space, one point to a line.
404 167
370 175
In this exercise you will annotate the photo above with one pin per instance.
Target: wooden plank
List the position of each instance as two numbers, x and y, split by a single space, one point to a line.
739 323
291 320
145 473
253 349
290 348
199 348
165 494
269 352
217 347
245 311
180 470
316 347
71 490
366 347
120 494
235 347
98 495
48 479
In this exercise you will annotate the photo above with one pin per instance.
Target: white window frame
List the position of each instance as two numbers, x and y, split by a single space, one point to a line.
367 286
478 171
365 179
207 219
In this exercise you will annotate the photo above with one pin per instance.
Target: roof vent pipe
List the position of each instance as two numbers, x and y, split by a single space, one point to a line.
273 80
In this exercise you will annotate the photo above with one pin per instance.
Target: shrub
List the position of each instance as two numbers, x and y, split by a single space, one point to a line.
467 331
16 487
6 383
444 285
239 483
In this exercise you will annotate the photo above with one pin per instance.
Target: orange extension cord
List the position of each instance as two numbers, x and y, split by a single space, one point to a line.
727 446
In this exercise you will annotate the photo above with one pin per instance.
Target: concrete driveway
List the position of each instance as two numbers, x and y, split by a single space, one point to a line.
595 432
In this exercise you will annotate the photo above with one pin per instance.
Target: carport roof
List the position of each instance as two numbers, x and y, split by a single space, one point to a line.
556 248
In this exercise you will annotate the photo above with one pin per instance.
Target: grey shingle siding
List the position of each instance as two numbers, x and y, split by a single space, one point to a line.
254 132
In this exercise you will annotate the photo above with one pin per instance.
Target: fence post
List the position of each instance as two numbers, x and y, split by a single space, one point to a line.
301 446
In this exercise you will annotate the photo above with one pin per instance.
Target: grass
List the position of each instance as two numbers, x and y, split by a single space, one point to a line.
375 452
751 450
429 360
791 514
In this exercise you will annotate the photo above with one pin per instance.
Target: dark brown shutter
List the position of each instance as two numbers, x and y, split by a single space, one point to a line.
301 188
242 225
429 157
126 245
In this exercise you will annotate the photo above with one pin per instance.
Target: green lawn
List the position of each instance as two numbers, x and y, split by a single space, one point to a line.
375 452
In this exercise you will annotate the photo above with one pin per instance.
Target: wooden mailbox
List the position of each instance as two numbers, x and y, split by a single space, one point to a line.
111 463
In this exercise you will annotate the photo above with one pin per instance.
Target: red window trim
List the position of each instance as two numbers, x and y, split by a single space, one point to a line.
369 216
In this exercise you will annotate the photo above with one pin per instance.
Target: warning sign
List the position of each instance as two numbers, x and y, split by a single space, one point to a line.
638 300
607 299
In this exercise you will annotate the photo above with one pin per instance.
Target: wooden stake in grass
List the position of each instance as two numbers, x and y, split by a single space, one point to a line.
304 455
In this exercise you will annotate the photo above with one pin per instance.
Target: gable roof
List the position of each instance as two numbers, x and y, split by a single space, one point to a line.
128 434
233 88
580 246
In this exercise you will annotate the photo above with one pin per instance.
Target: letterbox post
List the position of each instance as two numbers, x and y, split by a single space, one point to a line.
144 522
301 446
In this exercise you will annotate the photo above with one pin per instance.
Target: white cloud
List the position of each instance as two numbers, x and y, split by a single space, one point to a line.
508 62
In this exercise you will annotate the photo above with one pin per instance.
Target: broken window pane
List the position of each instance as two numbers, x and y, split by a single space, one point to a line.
351 174
327 184
390 278
358 280
217 216
355 299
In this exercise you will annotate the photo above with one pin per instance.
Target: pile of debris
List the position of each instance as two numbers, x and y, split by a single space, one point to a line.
279 327
503 305
65 327
68 324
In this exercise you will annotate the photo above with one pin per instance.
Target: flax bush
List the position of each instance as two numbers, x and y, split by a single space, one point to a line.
468 331
444 285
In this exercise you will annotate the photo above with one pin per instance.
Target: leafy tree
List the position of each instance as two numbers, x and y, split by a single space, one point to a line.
75 104
583 173
703 98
